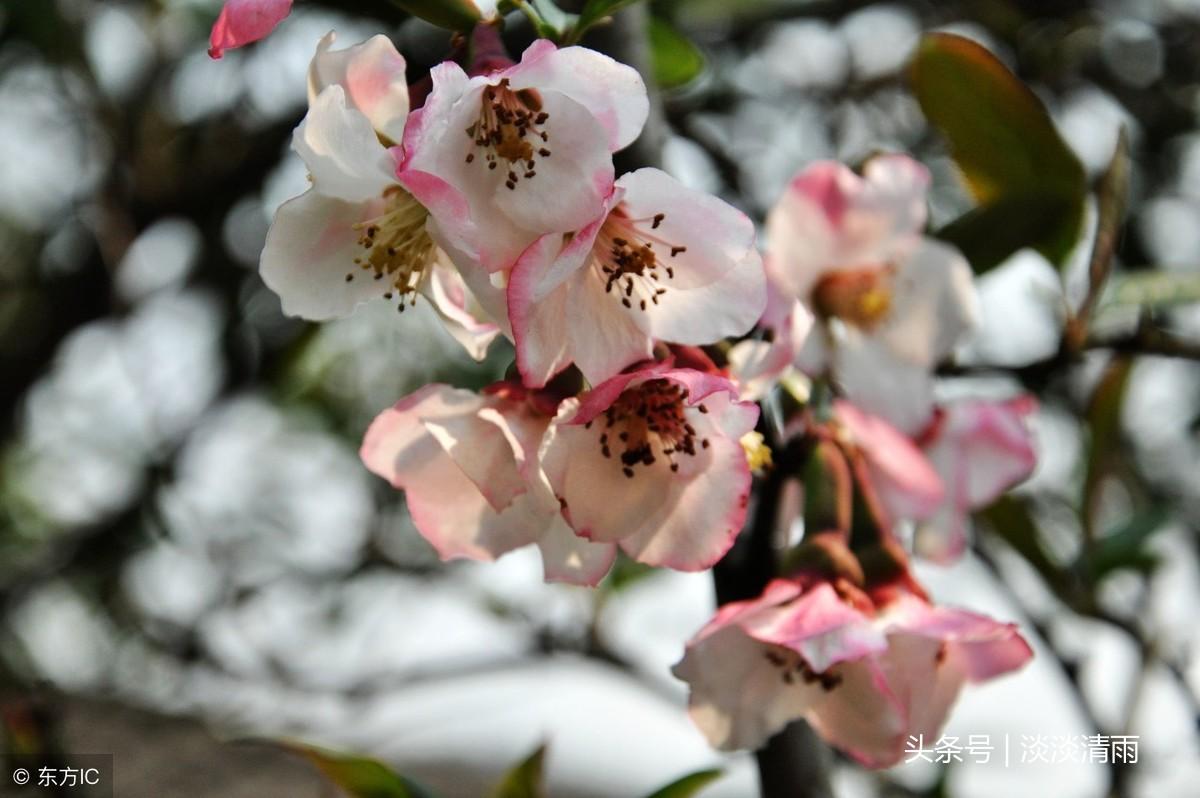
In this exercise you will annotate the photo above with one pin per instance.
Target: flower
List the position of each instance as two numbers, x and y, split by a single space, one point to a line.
469 466
980 449
651 459
866 671
659 262
892 302
244 21
900 474
358 233
758 363
508 156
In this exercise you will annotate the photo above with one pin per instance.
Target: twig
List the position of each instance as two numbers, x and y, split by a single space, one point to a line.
793 763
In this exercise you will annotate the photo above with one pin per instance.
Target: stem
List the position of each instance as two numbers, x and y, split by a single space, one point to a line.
794 763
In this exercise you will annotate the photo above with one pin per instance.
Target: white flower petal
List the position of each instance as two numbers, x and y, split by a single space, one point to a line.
372 75
341 150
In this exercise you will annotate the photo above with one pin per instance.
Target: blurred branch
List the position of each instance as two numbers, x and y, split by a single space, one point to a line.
1148 340
794 763
1112 198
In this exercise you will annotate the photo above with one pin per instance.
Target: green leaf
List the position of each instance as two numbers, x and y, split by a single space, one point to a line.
1010 519
1125 547
361 777
1006 146
1112 198
524 780
548 20
1154 290
1104 432
594 12
458 15
989 234
689 785
675 59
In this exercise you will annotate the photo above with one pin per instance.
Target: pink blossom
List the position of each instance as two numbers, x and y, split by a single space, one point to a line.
651 459
903 478
892 303
866 672
659 262
244 21
981 449
358 234
758 362
511 155
469 466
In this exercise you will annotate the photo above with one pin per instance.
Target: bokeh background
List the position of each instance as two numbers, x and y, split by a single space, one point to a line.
185 528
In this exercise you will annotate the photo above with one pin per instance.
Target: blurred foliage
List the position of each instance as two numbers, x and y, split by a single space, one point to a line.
361 777
526 779
457 15
1029 185
676 60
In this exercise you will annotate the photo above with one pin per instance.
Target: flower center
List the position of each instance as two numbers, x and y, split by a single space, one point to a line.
793 669
861 296
509 128
625 252
396 247
647 422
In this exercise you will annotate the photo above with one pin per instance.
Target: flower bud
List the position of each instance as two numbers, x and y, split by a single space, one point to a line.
828 491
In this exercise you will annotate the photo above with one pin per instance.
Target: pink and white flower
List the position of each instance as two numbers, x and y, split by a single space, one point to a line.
864 672
651 460
758 363
660 262
980 449
527 150
469 466
903 478
891 302
358 234
244 21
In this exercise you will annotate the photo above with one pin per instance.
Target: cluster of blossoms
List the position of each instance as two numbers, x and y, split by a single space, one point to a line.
646 327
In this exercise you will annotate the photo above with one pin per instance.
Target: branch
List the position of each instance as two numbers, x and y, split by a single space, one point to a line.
793 763
1148 340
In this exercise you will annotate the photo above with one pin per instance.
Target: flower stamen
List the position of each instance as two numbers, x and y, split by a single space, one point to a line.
627 258
397 248
861 296
647 422
509 128
792 667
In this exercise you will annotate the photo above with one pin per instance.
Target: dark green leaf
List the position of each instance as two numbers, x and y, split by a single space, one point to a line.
361 777
1004 142
675 59
1104 432
1112 196
989 234
459 15
689 785
524 780
1125 547
1010 519
594 12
